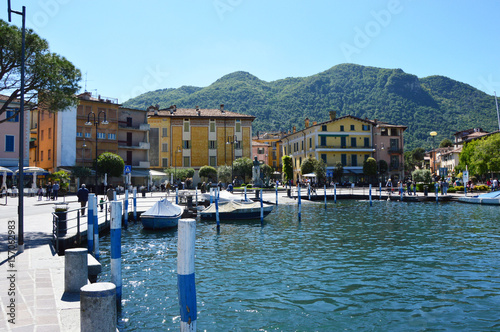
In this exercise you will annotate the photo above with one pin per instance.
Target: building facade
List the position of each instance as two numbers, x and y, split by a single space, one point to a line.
9 135
133 143
195 137
348 141
275 152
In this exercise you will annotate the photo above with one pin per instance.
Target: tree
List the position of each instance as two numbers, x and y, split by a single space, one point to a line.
481 156
110 163
320 171
382 167
243 168
62 177
308 165
287 168
50 79
208 172
446 143
370 167
224 173
422 176
338 172
267 171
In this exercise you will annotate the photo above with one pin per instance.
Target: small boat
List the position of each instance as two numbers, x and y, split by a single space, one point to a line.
491 198
232 210
163 214
224 196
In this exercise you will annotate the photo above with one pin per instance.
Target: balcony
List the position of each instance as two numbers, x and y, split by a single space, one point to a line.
141 127
394 150
127 145
344 148
144 164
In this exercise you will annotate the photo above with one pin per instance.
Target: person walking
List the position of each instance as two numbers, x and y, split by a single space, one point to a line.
55 190
83 197
48 190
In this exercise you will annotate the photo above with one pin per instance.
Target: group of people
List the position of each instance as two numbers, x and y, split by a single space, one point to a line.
51 191
493 184
83 197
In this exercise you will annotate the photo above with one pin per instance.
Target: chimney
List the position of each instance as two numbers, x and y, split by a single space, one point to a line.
222 108
175 108
333 115
198 110
307 122
315 123
294 129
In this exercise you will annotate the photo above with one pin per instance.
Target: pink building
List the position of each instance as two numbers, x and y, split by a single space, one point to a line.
9 136
260 150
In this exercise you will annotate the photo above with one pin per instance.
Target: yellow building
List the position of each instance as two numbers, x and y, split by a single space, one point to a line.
348 140
195 137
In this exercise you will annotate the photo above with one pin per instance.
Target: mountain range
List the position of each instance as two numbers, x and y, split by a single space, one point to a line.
433 103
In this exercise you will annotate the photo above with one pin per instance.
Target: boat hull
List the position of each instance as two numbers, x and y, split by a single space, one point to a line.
158 222
243 214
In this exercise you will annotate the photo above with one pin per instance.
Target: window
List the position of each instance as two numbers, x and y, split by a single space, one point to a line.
394 132
343 142
9 143
41 135
383 132
238 126
353 142
111 136
310 142
260 150
164 162
212 144
213 161
186 125
212 126
164 132
50 133
302 146
49 154
394 144
324 128
11 113
186 144
352 128
186 162
367 156
323 157
79 134
341 128
343 159
88 135
365 127
323 141
41 155
394 162
129 122
101 135
354 160
164 147
367 142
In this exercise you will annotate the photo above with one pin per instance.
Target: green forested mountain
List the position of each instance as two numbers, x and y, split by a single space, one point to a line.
434 103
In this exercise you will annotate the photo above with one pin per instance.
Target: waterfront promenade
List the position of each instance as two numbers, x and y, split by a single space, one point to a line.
34 279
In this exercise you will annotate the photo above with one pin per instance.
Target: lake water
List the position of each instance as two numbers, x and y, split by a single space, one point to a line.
390 267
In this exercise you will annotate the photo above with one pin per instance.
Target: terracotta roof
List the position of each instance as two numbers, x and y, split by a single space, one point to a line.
4 97
255 143
203 112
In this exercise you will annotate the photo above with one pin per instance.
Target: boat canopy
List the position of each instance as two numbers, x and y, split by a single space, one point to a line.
164 208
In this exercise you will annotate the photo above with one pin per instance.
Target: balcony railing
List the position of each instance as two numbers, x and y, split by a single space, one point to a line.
347 147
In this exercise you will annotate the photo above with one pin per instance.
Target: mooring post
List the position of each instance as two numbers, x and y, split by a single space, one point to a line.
437 192
116 251
125 206
196 197
261 208
211 201
135 203
325 195
276 194
186 274
370 194
335 193
176 195
309 191
380 191
98 307
75 269
217 213
401 192
90 225
96 229
299 201
245 192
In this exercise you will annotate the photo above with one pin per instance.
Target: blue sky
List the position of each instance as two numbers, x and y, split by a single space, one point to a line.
125 48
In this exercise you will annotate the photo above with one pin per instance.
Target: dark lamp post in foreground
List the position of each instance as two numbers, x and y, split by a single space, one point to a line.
96 123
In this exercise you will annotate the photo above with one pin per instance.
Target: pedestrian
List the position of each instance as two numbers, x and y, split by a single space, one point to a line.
83 197
40 193
495 184
389 185
48 190
55 190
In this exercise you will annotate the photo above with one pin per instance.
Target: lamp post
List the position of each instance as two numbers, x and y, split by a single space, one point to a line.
96 123
433 134
178 150
232 140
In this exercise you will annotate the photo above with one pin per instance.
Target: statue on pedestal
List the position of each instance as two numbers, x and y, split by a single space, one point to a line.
256 178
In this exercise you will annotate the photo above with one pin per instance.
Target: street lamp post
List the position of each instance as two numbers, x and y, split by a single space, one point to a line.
178 150
232 140
96 123
433 134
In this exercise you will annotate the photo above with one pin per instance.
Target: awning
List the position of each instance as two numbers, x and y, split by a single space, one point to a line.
353 171
157 173
33 170
5 170
309 175
144 173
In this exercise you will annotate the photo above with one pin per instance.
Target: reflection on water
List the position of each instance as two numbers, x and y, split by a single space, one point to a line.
393 266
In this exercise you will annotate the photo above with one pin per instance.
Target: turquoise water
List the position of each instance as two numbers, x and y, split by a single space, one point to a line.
391 267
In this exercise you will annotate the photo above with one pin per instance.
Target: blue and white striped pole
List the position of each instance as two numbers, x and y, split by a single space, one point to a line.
217 213
196 196
380 191
245 193
125 222
370 194
276 194
299 202
185 274
309 191
335 193
90 225
114 195
211 201
401 192
325 196
116 248
135 203
261 208
96 230
176 195
437 192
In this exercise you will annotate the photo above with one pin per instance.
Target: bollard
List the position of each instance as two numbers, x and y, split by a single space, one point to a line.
325 196
245 193
211 201
90 225
75 269
309 191
261 208
276 194
125 208
177 195
380 191
370 194
135 203
186 274
116 251
335 193
437 192
96 230
98 307
196 195
299 202
217 213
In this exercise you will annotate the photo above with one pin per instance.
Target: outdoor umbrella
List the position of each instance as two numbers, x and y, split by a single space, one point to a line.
33 171
4 172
